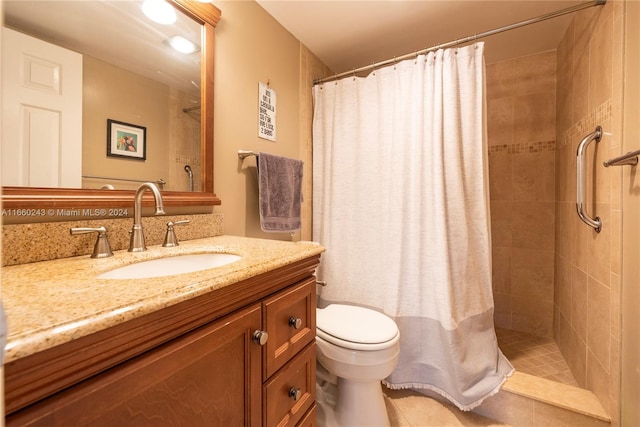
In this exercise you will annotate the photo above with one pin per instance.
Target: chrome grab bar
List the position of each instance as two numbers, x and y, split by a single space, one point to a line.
581 179
188 170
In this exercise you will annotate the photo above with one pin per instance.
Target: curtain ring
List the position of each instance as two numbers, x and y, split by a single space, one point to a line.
353 73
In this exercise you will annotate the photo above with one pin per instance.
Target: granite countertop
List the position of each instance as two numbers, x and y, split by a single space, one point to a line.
52 302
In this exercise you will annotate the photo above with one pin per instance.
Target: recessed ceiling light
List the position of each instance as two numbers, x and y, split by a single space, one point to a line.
159 11
181 44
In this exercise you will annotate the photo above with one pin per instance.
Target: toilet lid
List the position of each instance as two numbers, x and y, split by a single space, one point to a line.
356 324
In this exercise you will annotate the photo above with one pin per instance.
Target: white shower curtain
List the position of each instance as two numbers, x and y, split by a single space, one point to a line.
400 201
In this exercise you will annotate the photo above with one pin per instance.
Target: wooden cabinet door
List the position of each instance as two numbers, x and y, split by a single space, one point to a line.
208 377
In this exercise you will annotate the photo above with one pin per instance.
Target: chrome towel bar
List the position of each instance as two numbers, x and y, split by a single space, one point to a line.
630 158
243 154
581 179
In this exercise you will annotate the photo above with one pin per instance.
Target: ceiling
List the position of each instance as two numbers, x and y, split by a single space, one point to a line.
350 34
116 32
344 34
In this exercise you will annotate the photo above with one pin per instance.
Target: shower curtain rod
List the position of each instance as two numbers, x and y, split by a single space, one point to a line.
465 40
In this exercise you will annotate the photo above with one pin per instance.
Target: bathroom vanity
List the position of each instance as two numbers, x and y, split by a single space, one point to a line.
229 346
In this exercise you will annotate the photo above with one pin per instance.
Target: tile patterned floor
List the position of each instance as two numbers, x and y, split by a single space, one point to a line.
534 355
407 408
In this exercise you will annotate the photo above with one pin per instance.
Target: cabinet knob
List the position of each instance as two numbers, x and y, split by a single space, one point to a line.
260 337
295 322
295 393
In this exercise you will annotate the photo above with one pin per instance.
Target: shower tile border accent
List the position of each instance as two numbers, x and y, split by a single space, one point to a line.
587 124
524 147
187 160
584 126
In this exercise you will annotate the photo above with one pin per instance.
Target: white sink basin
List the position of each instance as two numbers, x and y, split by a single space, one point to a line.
170 266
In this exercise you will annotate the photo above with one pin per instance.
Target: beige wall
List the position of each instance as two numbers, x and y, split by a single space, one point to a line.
588 264
173 136
110 92
251 47
521 96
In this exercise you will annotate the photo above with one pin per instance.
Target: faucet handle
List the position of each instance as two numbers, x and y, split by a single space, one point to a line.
102 249
170 239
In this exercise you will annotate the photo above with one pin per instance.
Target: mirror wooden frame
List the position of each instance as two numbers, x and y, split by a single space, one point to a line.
208 16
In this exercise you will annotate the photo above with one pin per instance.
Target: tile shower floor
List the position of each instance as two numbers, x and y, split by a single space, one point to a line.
534 355
527 353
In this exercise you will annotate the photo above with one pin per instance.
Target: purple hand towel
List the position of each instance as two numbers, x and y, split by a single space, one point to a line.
280 187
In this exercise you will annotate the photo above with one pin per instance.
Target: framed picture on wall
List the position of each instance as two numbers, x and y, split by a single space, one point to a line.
126 140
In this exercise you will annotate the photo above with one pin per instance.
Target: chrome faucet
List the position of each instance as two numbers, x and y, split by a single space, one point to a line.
136 243
101 249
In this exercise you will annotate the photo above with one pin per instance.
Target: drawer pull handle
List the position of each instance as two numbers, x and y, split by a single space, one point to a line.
260 337
295 322
295 393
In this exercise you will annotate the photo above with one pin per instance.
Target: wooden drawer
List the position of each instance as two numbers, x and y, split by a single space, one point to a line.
311 418
291 392
285 340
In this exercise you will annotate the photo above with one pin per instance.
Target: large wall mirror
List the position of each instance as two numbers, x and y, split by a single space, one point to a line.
141 110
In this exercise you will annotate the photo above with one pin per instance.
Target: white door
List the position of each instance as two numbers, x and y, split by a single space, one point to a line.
41 113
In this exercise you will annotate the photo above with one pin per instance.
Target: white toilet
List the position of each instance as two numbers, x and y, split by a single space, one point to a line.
360 347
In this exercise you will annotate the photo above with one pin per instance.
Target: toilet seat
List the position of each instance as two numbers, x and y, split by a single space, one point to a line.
356 328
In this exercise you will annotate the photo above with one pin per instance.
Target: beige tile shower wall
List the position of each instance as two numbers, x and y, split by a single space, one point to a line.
587 264
521 97
184 141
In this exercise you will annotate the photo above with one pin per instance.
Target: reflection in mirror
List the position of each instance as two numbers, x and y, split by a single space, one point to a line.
125 101
87 62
